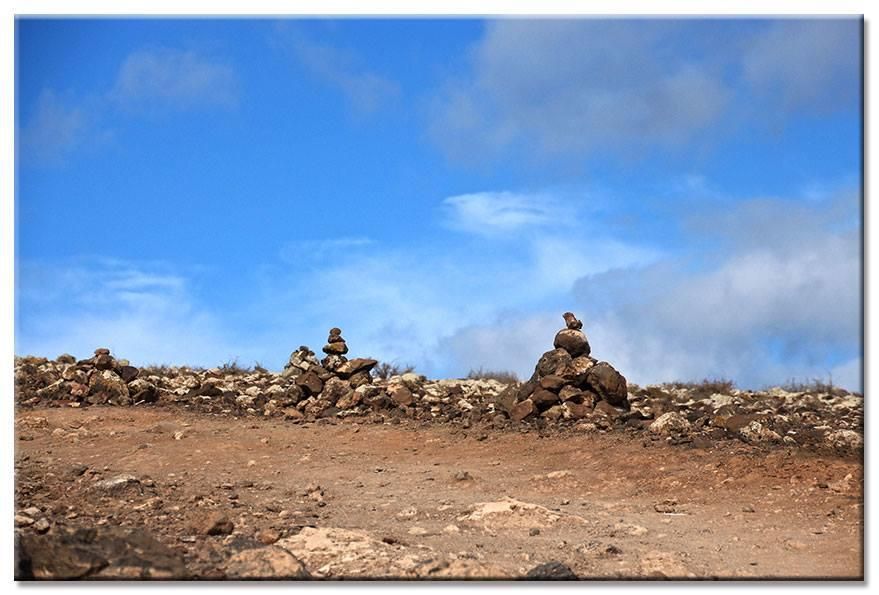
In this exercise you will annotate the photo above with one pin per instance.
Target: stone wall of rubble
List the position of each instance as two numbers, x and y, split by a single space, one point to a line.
569 391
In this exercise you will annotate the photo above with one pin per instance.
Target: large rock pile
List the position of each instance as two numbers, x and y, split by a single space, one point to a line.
568 382
99 380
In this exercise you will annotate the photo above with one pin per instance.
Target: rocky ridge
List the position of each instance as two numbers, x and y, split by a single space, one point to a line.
569 391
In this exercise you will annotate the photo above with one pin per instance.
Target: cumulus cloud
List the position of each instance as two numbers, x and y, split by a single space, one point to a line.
167 77
366 91
576 86
777 296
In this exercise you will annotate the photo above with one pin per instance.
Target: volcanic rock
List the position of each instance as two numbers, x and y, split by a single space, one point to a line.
551 571
609 384
552 362
572 341
106 553
522 410
310 383
354 366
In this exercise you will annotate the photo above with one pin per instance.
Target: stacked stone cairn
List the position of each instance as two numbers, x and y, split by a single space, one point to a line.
99 380
567 382
331 384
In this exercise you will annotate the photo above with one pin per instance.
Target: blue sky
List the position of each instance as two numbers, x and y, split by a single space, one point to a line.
193 191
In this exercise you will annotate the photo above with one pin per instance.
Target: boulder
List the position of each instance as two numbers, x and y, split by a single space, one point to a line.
670 423
609 384
340 348
106 387
105 553
552 362
552 383
309 382
266 563
522 410
544 399
551 571
572 341
354 366
142 391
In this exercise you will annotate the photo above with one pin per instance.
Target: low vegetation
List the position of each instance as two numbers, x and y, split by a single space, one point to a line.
384 370
504 376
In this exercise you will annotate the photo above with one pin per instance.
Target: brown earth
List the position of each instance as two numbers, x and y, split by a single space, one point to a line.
608 505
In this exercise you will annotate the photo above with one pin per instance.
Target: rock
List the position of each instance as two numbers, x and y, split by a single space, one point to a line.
606 409
609 384
106 387
214 523
845 440
335 335
403 396
360 378
544 399
268 536
570 393
65 358
23 520
670 423
507 399
105 553
551 571
344 553
266 563
572 341
142 391
578 372
554 413
577 410
522 410
553 362
756 432
339 348
104 361
335 389
309 382
128 373
552 383
352 367
571 321
42 525
120 485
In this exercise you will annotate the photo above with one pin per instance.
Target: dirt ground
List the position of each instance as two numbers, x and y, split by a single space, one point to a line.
607 505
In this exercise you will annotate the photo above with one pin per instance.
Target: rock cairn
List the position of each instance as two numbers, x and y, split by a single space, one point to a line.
568 382
332 383
98 380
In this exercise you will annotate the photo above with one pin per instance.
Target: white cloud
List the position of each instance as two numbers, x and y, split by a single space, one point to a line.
144 315
56 128
569 87
807 62
575 85
491 213
366 91
166 77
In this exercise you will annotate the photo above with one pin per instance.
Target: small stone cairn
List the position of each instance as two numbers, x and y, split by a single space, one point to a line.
567 382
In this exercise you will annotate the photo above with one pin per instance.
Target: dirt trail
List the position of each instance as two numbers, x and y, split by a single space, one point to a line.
608 505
